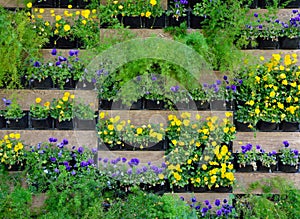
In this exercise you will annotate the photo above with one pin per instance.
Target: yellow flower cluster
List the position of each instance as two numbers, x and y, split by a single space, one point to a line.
11 148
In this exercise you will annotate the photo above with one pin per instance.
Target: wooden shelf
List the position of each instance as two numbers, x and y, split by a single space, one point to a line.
267 140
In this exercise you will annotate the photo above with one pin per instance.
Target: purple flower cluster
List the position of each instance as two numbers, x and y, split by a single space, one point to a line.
245 148
222 208
7 102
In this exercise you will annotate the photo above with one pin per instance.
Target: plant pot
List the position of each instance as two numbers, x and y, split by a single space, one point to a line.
287 168
289 126
85 85
245 169
157 189
65 3
137 105
195 21
85 124
200 189
133 22
266 126
265 169
152 146
47 83
110 147
291 4
253 4
199 105
105 104
154 104
2 122
173 22
222 189
267 44
83 3
242 127
156 23
50 43
70 84
64 125
180 189
15 167
65 43
38 124
21 123
288 43
45 3
218 105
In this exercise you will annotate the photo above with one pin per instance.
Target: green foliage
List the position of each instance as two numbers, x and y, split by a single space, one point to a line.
146 205
19 42
283 205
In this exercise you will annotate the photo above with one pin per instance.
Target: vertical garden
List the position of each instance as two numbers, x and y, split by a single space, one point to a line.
149 109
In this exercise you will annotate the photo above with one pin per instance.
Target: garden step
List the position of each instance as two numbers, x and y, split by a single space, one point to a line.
267 140
245 179
155 157
27 97
75 138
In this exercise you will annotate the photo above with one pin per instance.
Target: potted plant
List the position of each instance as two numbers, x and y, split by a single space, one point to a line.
40 114
12 152
266 29
289 37
62 110
156 19
247 158
177 12
288 159
109 131
144 137
39 75
132 172
48 161
14 115
84 116
267 161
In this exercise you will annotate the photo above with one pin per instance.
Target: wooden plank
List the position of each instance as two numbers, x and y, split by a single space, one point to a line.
283 14
75 137
267 140
201 197
268 54
155 157
27 97
245 179
144 117
12 3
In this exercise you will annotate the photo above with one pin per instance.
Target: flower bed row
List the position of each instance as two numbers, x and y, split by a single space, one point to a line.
42 115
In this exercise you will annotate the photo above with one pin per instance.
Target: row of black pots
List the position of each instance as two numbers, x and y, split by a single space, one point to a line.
163 21
273 168
70 84
268 44
48 123
61 3
268 126
146 104
64 43
152 146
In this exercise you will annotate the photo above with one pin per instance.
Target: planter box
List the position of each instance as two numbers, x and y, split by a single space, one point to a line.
64 125
156 23
266 126
154 104
83 3
288 43
17 123
45 3
85 124
173 22
65 3
292 4
199 105
267 44
195 21
287 168
47 83
133 22
40 124
65 43
289 126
